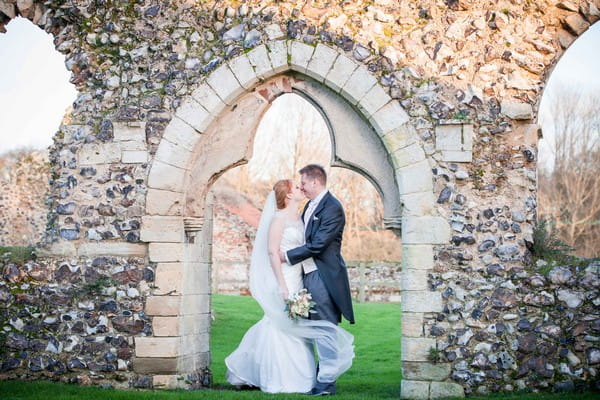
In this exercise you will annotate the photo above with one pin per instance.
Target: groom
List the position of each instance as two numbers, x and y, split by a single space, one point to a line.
325 274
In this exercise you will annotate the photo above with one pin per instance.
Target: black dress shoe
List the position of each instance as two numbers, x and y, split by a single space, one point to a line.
324 389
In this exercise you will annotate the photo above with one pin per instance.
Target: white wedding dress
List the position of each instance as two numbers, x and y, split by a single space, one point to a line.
268 357
276 354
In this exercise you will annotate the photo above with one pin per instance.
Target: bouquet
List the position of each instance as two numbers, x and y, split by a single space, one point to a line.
299 305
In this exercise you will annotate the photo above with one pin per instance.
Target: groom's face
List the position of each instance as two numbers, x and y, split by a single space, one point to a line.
309 186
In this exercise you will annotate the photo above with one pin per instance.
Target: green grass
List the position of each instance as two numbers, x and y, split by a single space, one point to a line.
374 375
376 370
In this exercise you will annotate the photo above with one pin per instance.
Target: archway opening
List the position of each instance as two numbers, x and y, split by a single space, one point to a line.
35 96
291 134
569 152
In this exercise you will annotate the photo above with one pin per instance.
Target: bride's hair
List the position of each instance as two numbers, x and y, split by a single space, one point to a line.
282 188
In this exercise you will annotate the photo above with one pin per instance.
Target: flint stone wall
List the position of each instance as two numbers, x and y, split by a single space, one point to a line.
463 79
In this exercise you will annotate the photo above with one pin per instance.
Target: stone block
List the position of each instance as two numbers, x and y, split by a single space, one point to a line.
424 230
415 178
193 114
169 279
165 326
278 54
129 132
358 84
321 62
134 157
403 136
195 303
153 365
453 137
259 59
133 146
165 252
414 390
416 349
342 69
165 347
165 306
224 84
412 324
444 390
208 99
421 302
457 156
194 344
194 362
181 134
195 324
99 153
375 98
425 371
115 249
243 71
300 54
417 256
389 118
516 110
197 278
454 142
576 24
163 202
417 204
166 177
167 382
408 155
162 229
172 154
414 279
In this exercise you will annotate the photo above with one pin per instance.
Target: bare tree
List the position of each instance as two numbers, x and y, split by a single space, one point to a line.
569 188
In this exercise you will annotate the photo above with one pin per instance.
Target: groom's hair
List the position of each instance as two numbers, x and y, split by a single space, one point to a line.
315 171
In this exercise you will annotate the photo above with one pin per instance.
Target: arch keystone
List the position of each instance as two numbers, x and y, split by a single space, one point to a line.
278 54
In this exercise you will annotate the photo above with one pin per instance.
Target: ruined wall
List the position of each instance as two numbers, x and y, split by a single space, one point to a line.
469 75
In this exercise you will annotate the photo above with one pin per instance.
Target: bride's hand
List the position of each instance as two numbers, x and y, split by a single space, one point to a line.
283 291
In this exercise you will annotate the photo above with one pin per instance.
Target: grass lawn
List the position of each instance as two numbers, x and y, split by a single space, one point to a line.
374 375
376 369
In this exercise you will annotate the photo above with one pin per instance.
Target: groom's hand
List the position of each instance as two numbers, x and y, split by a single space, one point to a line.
282 256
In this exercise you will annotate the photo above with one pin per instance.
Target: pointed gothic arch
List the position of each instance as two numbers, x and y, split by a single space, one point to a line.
213 131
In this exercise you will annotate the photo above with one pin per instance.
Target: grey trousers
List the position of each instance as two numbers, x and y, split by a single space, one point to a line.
325 310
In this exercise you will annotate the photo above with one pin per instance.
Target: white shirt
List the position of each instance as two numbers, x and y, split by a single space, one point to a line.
309 265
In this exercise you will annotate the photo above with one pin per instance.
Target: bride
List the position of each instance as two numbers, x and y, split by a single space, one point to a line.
276 354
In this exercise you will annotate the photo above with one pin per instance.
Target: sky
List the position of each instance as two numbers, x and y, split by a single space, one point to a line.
35 90
34 87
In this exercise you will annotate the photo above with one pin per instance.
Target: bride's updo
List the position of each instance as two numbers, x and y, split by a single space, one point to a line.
282 188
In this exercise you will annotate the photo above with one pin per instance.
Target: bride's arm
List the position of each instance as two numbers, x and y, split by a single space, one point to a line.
275 235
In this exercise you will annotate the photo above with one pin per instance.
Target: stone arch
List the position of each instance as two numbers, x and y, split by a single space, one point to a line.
174 220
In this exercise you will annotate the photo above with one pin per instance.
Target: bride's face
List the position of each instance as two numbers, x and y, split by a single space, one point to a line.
297 194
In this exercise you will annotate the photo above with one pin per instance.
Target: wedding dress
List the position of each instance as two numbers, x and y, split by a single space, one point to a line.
276 354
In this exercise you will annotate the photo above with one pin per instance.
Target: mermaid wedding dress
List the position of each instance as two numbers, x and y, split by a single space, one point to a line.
276 354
